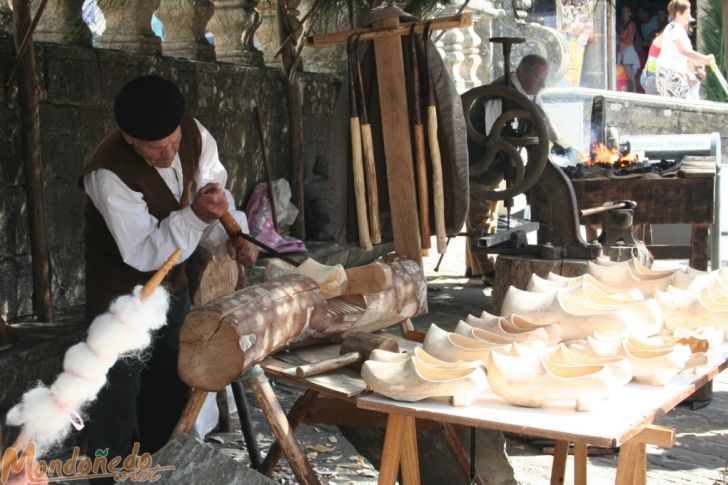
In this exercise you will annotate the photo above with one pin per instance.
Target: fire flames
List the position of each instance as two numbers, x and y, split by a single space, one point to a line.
603 155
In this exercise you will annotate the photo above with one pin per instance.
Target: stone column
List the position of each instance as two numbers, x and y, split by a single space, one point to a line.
129 26
184 28
459 50
463 49
267 34
61 23
233 24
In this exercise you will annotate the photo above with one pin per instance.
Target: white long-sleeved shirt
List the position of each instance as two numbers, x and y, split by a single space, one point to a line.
493 110
146 242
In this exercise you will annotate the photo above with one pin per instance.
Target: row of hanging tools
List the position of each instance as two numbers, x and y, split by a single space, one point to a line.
362 153
419 80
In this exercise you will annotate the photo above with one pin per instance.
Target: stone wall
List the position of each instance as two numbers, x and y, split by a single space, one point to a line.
78 85
642 114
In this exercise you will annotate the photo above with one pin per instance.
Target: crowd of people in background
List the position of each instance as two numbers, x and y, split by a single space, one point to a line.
655 53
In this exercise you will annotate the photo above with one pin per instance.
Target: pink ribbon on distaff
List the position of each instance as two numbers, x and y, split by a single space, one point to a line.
73 415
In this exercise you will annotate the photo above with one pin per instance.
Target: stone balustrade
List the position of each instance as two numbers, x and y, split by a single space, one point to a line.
184 28
128 27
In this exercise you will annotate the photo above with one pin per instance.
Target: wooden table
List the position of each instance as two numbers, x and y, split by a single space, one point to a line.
624 420
685 199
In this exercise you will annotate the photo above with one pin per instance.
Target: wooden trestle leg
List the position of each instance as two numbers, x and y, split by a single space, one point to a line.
278 422
296 415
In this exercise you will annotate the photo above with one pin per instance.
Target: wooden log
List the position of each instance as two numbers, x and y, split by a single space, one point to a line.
224 339
211 276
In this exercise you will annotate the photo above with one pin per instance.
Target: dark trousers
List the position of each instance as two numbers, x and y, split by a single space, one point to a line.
143 398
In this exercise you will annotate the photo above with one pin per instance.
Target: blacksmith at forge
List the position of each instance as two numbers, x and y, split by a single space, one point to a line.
529 79
152 185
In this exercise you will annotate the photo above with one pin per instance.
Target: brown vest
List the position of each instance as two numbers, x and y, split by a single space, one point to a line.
107 276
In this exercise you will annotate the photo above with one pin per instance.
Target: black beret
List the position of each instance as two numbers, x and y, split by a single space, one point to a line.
149 108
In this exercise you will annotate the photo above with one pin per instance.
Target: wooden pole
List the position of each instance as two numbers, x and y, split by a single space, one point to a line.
423 191
295 119
30 119
266 168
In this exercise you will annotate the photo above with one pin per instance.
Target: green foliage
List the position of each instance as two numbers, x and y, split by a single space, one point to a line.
711 33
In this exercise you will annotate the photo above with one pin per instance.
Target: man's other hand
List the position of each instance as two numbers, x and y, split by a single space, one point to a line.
247 255
210 203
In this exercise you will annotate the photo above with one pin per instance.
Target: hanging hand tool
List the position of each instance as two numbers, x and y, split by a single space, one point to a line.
423 192
356 155
437 183
268 180
375 229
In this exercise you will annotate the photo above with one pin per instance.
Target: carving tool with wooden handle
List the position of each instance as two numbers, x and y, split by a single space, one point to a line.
238 238
356 156
438 195
423 192
370 170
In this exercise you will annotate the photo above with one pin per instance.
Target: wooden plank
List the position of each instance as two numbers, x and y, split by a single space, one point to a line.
459 21
392 450
558 468
580 461
653 434
397 145
659 200
344 383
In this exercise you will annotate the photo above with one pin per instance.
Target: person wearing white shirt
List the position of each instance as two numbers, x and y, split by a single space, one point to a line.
153 185
671 73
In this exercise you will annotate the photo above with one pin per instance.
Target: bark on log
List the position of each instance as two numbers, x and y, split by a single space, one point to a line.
224 339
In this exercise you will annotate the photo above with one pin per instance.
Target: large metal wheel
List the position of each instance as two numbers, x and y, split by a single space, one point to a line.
534 139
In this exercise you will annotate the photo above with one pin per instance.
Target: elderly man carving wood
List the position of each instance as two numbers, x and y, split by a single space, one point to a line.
152 185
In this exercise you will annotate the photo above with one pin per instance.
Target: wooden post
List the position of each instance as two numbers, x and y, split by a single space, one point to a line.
580 455
558 467
278 422
30 119
397 146
295 117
